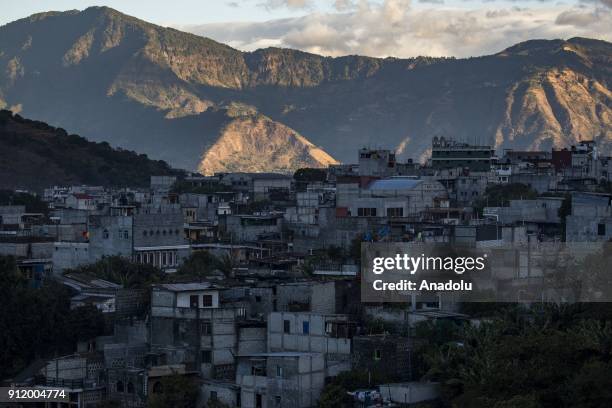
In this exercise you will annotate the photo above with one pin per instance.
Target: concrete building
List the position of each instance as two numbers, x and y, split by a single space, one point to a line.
69 255
325 297
159 239
11 214
247 227
540 210
391 197
316 333
384 356
80 375
257 185
224 392
409 393
448 153
109 236
591 218
188 326
162 184
376 162
283 379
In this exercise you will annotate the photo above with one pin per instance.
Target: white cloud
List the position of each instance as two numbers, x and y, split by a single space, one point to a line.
344 5
290 4
394 28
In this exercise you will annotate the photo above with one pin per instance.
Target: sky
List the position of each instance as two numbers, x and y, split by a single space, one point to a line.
381 28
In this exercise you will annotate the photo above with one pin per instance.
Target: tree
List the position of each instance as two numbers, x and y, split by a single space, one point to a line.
39 323
335 396
199 265
564 210
309 175
32 203
123 272
499 195
544 356
216 404
226 264
177 391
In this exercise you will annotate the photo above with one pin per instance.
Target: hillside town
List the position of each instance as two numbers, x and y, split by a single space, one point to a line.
248 284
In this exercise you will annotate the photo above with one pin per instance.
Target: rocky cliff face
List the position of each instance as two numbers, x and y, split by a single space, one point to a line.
137 85
256 143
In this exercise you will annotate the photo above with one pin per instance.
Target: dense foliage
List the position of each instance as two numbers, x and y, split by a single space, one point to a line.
308 175
38 323
176 391
499 195
32 203
335 394
122 271
203 264
546 356
37 155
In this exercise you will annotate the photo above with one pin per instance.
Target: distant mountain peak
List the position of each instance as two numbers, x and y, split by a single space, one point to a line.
173 95
255 143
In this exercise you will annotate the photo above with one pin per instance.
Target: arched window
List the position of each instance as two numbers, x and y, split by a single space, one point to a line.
130 388
158 388
119 386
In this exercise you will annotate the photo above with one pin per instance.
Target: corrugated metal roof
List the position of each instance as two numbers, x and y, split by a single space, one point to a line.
395 183
186 287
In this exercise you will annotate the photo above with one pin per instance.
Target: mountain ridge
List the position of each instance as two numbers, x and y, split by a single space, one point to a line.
34 155
103 73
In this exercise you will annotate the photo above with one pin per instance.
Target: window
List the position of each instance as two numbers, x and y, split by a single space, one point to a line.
286 326
366 212
377 354
193 301
279 371
130 388
305 327
277 400
207 300
395 212
105 234
258 299
601 229
206 328
120 386
206 356
158 388
213 395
